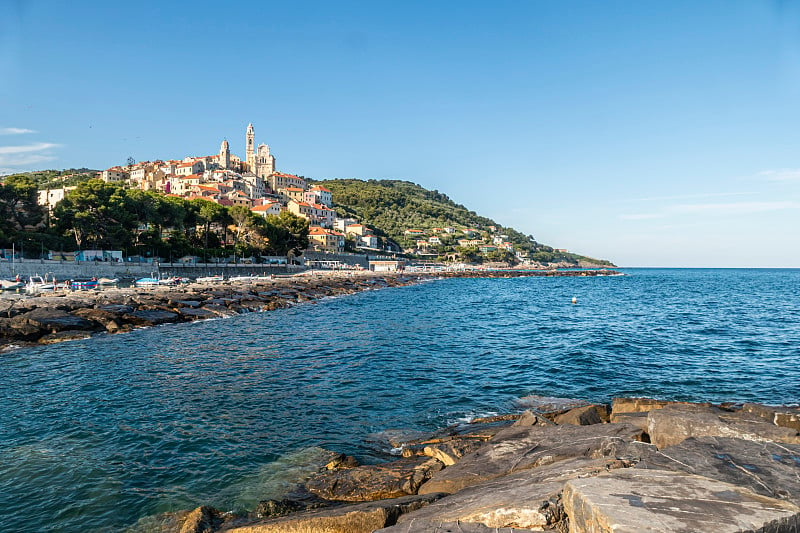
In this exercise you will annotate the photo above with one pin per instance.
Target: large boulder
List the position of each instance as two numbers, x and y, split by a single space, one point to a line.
584 416
374 482
765 468
675 423
527 499
151 317
642 405
521 448
634 500
360 518
54 320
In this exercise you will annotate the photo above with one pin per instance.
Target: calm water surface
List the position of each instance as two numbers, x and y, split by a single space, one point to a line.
97 434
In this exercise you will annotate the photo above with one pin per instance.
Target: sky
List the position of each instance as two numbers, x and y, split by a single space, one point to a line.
663 133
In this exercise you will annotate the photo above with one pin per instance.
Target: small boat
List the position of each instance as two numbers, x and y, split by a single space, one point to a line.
83 284
174 280
146 282
11 284
108 281
210 279
39 283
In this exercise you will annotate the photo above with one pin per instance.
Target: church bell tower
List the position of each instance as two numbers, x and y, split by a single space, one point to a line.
251 148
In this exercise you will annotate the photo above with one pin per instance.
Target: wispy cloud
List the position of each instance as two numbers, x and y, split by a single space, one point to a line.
15 131
36 147
784 174
17 158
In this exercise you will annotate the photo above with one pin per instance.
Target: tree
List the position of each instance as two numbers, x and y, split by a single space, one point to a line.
19 208
97 214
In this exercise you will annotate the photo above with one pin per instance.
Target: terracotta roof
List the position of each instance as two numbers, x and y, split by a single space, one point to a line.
319 188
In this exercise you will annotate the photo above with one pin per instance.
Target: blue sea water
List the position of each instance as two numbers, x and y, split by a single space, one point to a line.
96 434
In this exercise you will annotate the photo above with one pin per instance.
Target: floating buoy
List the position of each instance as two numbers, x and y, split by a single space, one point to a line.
574 300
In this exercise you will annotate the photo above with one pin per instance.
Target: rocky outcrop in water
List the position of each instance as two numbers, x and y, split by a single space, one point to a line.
726 468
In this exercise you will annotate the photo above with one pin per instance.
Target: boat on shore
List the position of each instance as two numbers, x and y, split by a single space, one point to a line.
11 284
107 281
38 283
83 284
147 282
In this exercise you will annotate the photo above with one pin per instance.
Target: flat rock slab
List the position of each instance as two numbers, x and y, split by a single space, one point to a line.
527 499
643 405
765 468
452 527
635 501
520 448
788 417
55 320
675 423
360 518
374 482
549 405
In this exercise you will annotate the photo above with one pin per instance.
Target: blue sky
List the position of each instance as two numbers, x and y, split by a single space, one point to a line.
649 133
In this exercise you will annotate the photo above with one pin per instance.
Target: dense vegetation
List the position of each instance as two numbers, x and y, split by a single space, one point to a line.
54 179
100 215
392 206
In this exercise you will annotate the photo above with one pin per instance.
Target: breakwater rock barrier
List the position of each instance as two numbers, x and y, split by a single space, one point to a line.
561 465
61 316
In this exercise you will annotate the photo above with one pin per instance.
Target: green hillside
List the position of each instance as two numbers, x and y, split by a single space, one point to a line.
392 206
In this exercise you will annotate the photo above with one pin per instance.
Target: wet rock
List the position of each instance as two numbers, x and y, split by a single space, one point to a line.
675 423
117 309
275 508
522 448
527 499
202 520
634 500
342 461
219 310
360 518
374 482
765 468
196 314
511 417
151 317
788 417
584 416
63 336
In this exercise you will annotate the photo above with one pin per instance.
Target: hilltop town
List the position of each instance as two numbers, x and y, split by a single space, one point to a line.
254 183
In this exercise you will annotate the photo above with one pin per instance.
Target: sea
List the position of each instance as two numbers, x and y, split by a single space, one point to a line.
105 434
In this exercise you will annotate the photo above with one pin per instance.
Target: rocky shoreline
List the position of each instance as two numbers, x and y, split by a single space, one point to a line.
562 465
59 317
